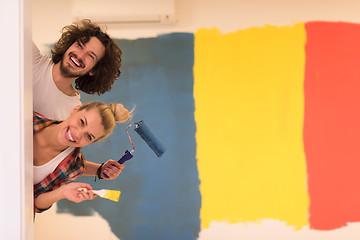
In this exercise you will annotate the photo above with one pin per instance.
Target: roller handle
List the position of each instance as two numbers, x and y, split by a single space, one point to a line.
126 156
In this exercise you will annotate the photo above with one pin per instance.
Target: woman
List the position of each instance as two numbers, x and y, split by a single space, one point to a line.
54 140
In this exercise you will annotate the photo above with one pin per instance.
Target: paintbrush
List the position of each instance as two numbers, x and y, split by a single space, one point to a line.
112 195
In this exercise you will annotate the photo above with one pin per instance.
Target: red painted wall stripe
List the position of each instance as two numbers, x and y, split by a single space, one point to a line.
332 123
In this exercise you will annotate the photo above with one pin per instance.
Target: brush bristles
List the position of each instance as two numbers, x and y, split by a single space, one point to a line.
112 195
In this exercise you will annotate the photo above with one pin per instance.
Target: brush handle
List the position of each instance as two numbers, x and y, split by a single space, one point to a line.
94 191
100 193
126 156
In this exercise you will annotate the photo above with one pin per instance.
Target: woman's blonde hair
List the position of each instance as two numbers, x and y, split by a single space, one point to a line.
115 112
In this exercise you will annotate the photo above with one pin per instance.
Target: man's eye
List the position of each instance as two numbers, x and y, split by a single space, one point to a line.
91 56
89 137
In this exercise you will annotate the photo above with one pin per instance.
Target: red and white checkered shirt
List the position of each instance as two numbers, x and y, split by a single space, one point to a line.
67 170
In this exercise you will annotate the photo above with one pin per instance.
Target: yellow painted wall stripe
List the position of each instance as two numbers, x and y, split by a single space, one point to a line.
249 107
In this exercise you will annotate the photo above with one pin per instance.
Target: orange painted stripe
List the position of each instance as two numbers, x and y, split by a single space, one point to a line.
332 123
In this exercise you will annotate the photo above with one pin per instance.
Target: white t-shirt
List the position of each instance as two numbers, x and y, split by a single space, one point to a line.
41 172
48 100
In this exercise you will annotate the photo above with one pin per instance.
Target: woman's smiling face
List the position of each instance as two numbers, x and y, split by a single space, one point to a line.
81 128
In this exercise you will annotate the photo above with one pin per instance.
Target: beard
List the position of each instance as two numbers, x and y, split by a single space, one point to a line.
66 70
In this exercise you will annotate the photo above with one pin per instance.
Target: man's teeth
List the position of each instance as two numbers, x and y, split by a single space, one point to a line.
75 61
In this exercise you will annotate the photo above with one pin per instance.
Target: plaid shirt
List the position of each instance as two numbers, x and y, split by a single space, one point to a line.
69 169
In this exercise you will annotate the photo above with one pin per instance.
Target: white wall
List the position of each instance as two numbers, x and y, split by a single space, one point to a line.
227 15
16 121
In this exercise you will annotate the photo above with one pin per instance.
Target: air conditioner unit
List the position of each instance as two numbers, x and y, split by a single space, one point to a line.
125 11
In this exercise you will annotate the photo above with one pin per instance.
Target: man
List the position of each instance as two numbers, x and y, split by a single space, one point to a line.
84 55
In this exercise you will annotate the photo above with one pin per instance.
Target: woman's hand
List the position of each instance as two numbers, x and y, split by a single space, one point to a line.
74 193
69 191
112 169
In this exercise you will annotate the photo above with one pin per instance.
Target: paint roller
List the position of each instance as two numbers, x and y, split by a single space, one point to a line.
149 138
146 134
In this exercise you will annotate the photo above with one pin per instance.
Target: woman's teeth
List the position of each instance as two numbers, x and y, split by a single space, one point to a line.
69 136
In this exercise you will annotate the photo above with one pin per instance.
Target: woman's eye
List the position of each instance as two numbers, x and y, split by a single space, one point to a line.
82 122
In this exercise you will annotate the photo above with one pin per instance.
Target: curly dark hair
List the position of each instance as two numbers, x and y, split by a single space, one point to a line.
106 71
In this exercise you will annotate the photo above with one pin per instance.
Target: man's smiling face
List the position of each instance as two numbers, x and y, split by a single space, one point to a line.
80 58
